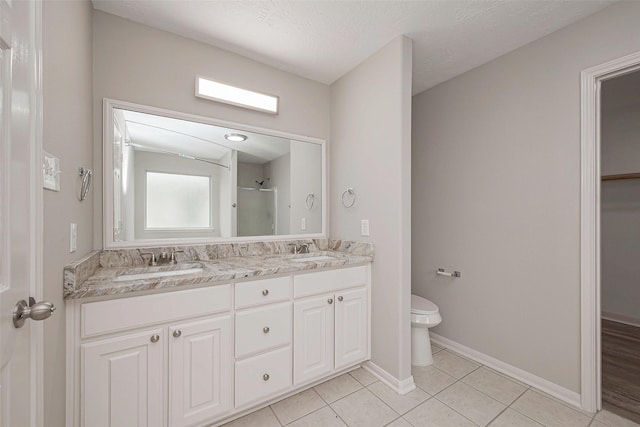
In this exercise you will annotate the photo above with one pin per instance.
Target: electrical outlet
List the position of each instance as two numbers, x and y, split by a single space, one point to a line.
73 237
364 227
303 224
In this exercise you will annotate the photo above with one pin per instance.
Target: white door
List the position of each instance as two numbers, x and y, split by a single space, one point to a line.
312 338
19 223
352 328
121 383
200 371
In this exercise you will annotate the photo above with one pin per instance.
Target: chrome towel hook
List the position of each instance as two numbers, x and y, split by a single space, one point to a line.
85 175
348 197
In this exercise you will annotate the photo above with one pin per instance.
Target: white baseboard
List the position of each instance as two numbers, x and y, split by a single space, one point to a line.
559 392
621 318
399 386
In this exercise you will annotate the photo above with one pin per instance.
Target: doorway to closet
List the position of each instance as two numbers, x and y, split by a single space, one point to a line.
620 244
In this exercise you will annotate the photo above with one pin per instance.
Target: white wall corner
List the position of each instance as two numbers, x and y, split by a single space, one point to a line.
399 386
546 386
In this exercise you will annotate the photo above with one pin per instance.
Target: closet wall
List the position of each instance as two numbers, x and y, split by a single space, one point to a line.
620 199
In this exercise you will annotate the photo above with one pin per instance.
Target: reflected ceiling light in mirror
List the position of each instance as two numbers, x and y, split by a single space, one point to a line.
235 137
220 92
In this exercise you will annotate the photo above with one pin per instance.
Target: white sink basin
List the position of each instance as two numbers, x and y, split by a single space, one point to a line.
315 258
155 274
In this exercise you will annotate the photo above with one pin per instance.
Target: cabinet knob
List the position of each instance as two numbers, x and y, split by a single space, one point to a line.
330 300
340 298
155 338
265 377
177 333
265 292
265 329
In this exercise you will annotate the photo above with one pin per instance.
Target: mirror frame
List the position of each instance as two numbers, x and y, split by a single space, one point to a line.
107 178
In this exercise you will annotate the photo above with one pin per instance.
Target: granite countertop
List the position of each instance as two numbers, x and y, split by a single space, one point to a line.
118 272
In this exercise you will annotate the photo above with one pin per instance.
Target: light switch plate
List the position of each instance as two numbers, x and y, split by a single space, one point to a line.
364 227
50 172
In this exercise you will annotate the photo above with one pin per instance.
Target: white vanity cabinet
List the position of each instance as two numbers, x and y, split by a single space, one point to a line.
203 356
155 360
331 330
200 380
122 380
263 339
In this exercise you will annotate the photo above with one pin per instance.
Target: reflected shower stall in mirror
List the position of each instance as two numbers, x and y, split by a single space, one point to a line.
175 178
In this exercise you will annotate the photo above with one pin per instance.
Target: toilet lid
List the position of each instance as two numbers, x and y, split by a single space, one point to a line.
421 305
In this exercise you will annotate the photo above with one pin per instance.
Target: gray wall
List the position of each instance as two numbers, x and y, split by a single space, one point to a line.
370 151
139 64
496 195
67 75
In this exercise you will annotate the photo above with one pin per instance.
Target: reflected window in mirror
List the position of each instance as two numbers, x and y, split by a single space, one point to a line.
177 201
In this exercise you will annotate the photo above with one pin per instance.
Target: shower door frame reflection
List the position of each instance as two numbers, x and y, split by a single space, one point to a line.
274 223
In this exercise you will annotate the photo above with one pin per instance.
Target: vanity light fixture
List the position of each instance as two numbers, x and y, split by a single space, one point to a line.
235 137
220 92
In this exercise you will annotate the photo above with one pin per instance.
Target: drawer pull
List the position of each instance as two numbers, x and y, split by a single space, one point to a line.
340 298
155 338
177 333
265 329
330 301
265 292
265 377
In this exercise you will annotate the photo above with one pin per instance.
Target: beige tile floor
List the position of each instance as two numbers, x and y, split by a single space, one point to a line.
454 391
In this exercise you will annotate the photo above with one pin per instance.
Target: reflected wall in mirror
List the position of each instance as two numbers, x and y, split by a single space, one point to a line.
175 178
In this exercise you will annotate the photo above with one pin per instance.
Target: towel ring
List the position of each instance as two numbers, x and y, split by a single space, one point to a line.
348 198
310 200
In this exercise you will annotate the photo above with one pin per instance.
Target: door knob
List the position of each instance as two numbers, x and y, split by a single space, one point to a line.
36 311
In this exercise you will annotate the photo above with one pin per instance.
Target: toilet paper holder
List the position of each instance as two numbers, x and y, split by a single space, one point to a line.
441 272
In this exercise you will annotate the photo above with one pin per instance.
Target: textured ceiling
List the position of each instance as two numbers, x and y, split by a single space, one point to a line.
322 40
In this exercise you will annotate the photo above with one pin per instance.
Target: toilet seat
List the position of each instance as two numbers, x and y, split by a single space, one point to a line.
421 305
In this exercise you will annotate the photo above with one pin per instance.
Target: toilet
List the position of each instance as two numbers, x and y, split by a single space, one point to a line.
424 315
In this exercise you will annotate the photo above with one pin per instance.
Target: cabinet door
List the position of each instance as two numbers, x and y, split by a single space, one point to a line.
312 338
122 381
352 329
200 371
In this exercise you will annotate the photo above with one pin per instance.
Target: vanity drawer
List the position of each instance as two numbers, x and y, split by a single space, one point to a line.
125 313
262 376
328 281
263 328
263 291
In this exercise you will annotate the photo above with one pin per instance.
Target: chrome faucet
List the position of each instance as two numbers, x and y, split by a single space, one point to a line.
173 259
153 261
300 249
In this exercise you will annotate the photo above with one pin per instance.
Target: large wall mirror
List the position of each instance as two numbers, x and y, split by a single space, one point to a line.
173 178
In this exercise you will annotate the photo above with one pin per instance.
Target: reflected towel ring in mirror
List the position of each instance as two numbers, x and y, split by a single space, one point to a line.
85 174
310 200
348 198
